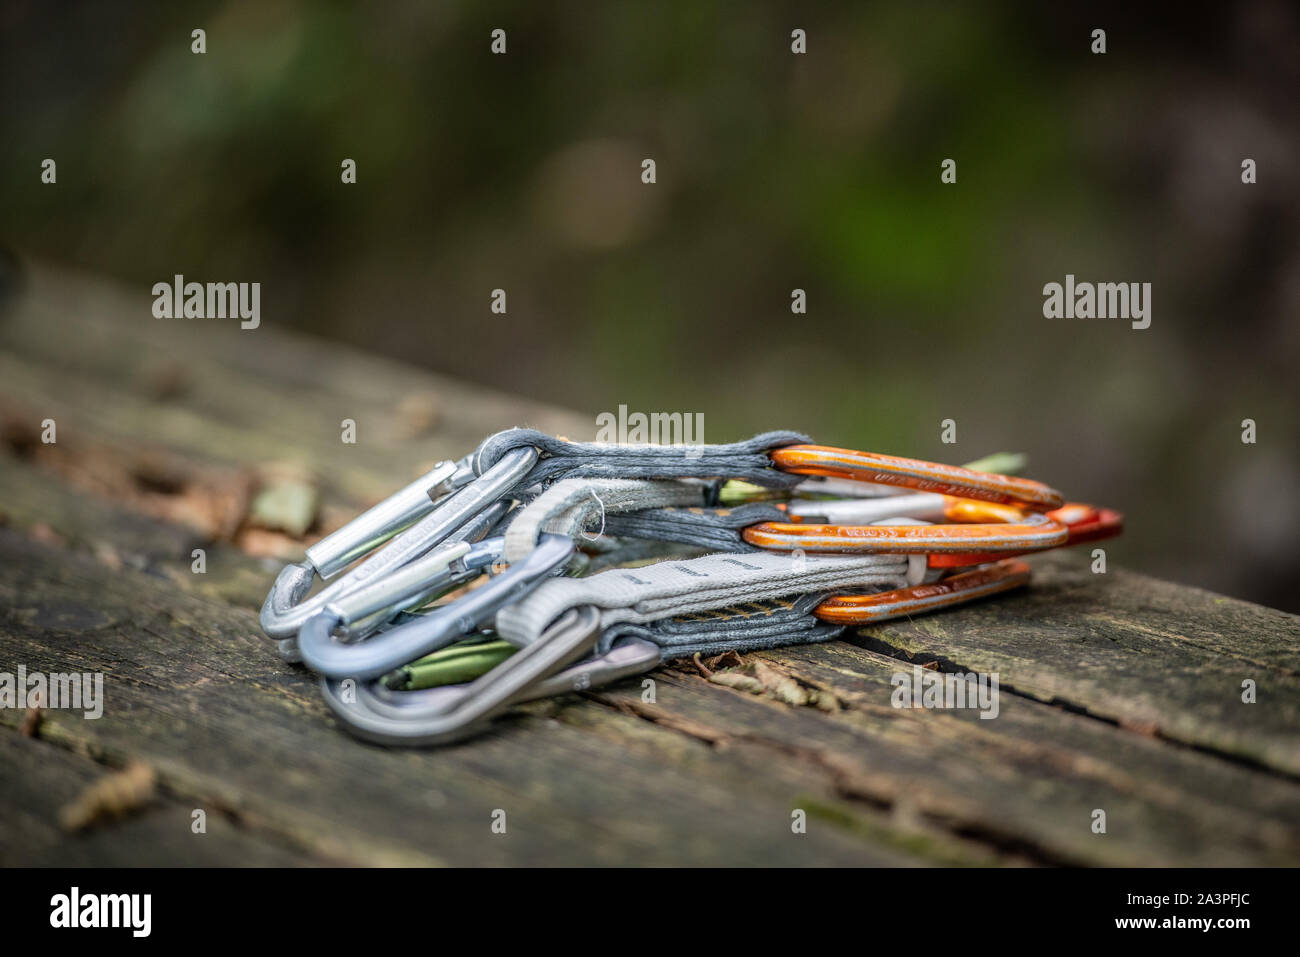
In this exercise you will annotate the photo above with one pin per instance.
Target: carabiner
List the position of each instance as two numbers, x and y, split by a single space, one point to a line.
1030 533
446 567
1083 523
285 612
915 474
368 530
460 569
631 656
956 590
378 524
450 713
391 649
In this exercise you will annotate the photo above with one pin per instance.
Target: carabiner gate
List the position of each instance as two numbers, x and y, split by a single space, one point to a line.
285 611
391 649
450 713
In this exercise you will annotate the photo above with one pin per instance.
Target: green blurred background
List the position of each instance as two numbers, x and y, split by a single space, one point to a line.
775 171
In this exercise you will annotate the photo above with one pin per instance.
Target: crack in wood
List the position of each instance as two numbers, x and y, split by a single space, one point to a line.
1149 729
846 782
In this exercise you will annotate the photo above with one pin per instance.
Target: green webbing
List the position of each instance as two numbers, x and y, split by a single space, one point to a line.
1004 463
458 663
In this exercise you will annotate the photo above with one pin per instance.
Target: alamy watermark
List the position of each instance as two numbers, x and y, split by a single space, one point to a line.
657 428
923 688
179 299
76 691
75 909
1103 300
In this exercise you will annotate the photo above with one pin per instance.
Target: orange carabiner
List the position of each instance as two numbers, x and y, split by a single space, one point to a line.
963 587
1088 523
1083 523
1031 532
914 473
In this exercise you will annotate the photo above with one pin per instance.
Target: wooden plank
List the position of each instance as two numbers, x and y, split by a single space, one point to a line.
1034 774
120 537
40 778
1160 658
705 775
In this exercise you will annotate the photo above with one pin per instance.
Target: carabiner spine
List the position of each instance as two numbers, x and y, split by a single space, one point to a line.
451 713
908 539
1083 523
961 588
915 474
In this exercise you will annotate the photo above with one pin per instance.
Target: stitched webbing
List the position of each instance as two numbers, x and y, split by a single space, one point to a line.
746 460
568 506
749 627
668 589
717 529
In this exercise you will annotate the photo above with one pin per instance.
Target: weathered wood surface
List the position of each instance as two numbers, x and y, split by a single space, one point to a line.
1120 692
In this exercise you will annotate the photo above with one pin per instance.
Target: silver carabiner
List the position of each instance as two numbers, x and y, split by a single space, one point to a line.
376 525
420 581
444 569
373 712
285 611
391 649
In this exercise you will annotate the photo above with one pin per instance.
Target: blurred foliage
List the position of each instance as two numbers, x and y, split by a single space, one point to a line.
775 171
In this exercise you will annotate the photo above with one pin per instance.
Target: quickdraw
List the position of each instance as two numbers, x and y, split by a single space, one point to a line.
813 539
